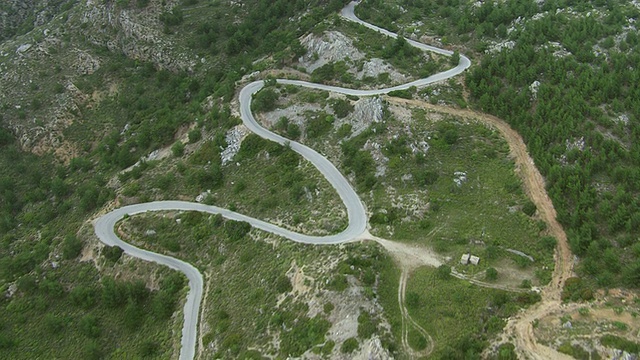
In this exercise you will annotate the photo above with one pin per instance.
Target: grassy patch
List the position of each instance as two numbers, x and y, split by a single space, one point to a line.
459 316
451 184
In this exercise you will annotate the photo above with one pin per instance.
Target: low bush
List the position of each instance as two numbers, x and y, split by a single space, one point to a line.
617 342
405 94
348 346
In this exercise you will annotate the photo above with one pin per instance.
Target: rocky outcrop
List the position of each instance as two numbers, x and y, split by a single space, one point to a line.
366 111
19 16
136 33
38 113
374 67
332 46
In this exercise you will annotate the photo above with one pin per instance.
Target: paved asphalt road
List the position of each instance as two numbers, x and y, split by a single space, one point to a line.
104 226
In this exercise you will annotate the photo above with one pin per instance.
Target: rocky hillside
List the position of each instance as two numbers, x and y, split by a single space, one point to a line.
21 16
59 60
50 47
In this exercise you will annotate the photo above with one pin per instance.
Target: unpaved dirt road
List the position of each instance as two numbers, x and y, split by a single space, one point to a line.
407 321
408 257
533 182
519 329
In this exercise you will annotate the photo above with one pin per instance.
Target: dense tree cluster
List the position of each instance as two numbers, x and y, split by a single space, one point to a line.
595 183
568 86
264 27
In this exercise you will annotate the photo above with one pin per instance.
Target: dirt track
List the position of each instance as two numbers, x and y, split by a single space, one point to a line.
408 321
520 327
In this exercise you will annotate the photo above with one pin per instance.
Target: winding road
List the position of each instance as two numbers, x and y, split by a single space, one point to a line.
105 225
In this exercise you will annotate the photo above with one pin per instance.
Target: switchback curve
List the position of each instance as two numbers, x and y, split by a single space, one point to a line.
104 225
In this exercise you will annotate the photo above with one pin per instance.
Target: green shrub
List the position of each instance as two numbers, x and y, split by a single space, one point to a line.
92 350
319 126
195 135
507 352
384 217
304 334
341 107
163 305
291 130
448 132
208 153
366 325
148 349
58 88
133 316
232 342
443 272
529 208
71 247
173 17
455 58
327 348
492 274
405 94
344 130
575 289
426 177
251 146
83 296
522 262
576 351
173 283
332 71
451 136
27 284
265 100
283 284
328 308
114 294
54 324
112 253
6 341
528 298
206 178
618 310
548 242
177 149
338 283
171 244
89 326
350 345
583 311
620 325
617 342
525 284
236 230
